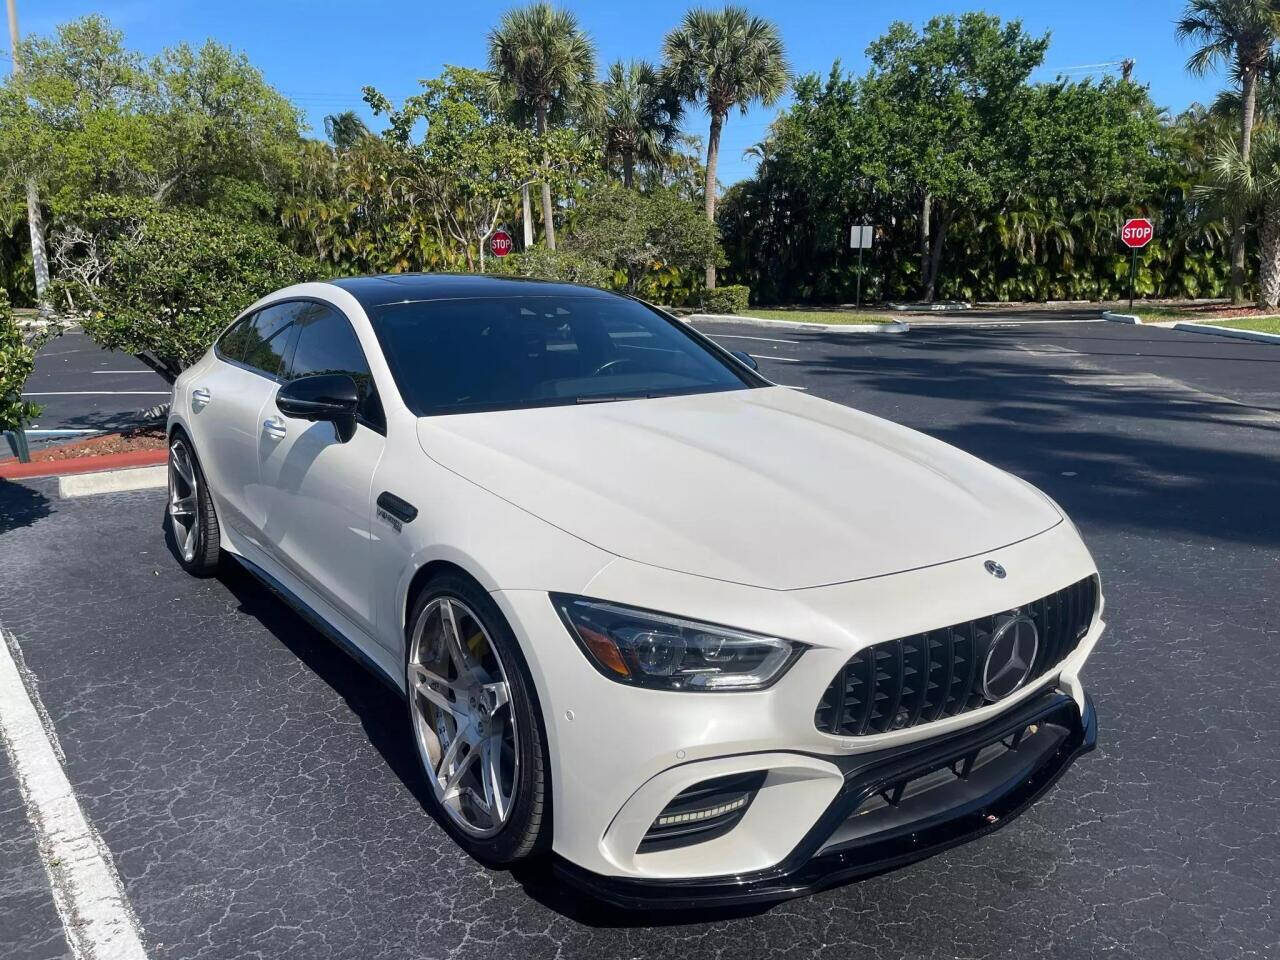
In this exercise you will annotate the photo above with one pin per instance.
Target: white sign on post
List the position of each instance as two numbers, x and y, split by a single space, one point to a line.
860 237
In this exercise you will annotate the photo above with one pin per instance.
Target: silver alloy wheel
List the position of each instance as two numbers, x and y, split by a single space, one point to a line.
462 716
184 500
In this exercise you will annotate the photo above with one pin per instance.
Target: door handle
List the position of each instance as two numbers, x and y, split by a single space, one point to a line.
274 428
402 510
201 396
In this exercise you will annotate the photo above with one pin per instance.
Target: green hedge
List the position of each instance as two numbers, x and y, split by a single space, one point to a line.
17 360
175 277
732 298
564 266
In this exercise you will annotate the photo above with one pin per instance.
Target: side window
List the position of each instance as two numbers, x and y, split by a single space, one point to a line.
231 344
268 336
327 344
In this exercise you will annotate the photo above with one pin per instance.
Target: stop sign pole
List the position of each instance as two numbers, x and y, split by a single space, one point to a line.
1136 233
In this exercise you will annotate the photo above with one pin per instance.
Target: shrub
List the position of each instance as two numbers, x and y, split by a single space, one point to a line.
17 359
164 283
651 242
564 266
732 298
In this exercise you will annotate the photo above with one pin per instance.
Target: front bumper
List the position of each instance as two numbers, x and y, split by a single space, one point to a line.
977 799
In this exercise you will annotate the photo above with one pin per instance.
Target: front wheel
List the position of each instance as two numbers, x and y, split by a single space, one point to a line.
475 722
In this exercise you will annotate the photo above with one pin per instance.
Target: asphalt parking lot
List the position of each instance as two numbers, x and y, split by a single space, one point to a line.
258 792
80 386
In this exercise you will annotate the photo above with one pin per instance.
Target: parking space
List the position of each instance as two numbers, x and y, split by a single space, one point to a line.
80 386
258 791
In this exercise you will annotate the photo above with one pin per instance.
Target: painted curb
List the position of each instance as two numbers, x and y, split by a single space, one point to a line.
13 470
1121 317
893 326
113 481
1256 335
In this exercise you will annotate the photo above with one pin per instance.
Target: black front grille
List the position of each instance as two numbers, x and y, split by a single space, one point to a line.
936 674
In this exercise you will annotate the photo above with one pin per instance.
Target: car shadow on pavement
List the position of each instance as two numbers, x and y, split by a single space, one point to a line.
21 506
379 707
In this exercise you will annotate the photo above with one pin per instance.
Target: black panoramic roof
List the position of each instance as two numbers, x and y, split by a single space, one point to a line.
407 287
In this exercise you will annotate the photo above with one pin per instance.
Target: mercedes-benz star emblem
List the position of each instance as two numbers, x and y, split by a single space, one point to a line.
994 569
1010 655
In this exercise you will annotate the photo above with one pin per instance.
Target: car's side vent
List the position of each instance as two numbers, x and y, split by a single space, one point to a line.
936 674
703 812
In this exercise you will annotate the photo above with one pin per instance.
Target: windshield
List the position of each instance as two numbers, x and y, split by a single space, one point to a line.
503 353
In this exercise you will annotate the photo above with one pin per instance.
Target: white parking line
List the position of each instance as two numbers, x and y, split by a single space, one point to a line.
139 370
738 336
769 356
96 916
101 393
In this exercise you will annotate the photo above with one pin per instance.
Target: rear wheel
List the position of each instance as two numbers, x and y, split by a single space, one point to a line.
475 722
192 520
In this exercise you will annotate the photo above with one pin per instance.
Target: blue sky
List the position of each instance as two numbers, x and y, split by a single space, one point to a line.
320 52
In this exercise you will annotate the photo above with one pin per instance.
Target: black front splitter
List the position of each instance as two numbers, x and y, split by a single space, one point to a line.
807 871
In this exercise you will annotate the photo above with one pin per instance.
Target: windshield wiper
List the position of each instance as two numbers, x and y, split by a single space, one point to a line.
606 398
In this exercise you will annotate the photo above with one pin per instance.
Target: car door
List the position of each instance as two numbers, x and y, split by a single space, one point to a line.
316 496
224 409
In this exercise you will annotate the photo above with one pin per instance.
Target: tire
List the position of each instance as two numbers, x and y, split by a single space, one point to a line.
489 757
191 518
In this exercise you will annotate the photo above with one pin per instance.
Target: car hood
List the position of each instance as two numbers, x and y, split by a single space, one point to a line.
768 487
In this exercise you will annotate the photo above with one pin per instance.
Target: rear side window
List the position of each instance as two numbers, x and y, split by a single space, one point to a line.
268 336
327 344
232 344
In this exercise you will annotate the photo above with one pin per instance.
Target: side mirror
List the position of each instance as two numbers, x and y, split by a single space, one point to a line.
746 358
326 396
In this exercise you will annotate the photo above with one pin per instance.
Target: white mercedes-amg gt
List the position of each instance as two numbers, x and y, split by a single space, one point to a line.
703 638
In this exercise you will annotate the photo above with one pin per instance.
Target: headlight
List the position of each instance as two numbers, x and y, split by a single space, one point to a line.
650 649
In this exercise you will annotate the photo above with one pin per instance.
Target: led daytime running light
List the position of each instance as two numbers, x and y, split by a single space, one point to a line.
695 815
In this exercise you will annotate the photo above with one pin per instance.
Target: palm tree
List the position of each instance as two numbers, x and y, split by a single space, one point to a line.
641 117
1247 188
1240 34
724 59
345 129
542 59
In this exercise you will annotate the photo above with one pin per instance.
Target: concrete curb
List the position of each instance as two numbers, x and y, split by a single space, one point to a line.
113 481
945 306
13 470
892 326
1121 317
1256 335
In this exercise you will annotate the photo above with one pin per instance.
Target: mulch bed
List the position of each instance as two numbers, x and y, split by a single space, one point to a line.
126 441
1218 312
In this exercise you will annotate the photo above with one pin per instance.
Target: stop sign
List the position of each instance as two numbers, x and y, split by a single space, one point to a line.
500 243
1137 232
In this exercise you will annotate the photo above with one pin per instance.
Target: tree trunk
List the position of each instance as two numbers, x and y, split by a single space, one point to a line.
548 218
935 255
39 255
925 207
628 168
1240 230
526 210
35 219
713 155
1269 247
